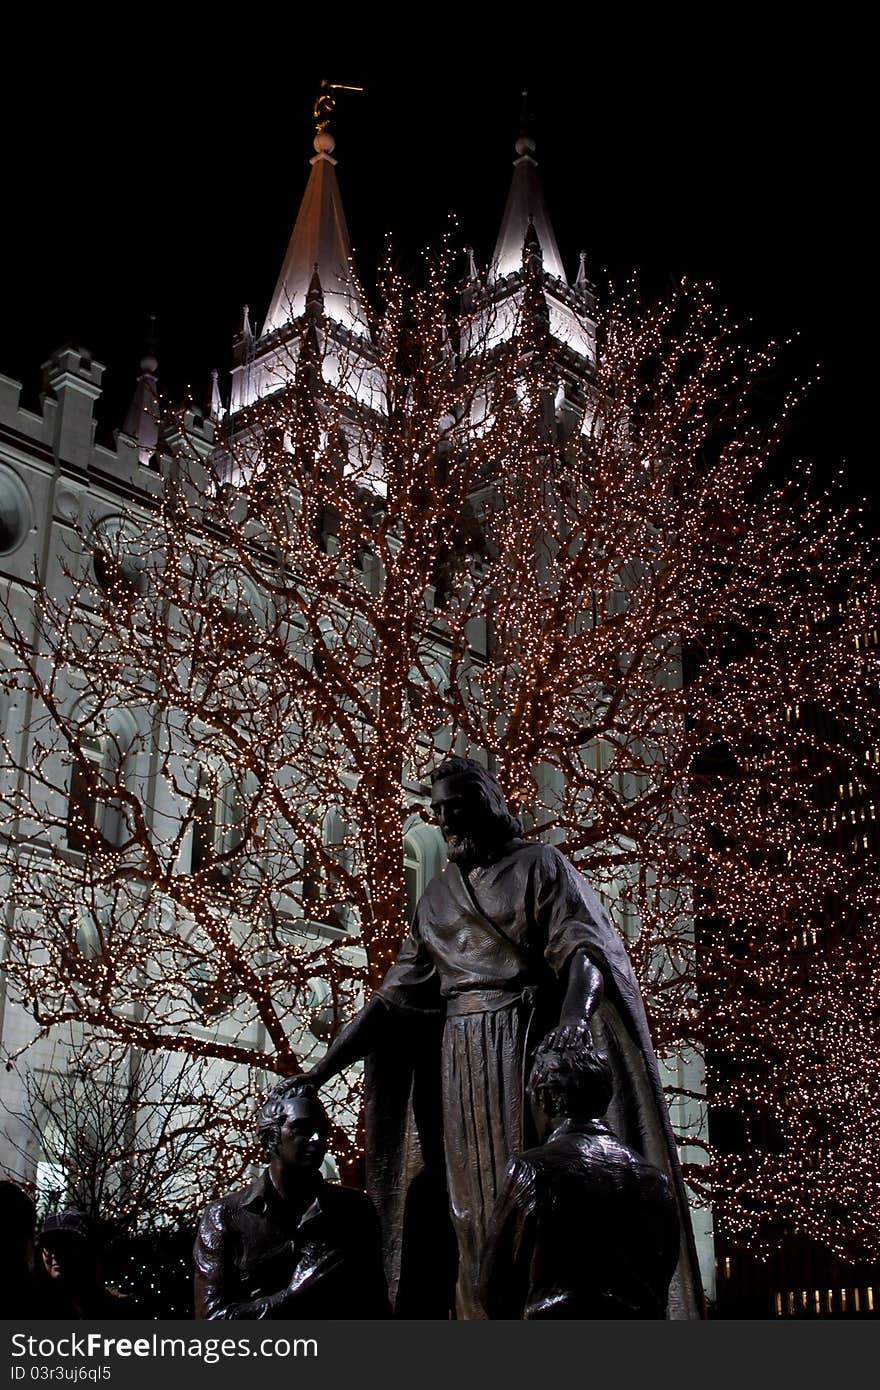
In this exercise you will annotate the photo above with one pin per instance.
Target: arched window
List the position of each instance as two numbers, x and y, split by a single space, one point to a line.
102 763
85 809
312 880
414 874
220 808
205 820
89 928
322 882
237 607
210 991
424 857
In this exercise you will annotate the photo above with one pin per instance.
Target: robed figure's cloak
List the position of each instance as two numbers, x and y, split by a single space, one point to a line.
477 984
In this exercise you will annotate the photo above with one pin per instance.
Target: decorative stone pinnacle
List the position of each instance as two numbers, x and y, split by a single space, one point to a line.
525 144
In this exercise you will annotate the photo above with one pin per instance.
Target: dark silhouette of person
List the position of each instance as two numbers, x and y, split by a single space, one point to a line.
70 1281
508 946
291 1244
18 1222
584 1227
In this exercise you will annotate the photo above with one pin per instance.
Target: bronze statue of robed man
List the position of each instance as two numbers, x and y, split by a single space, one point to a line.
509 948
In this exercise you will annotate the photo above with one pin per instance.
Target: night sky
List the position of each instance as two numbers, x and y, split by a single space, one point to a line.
159 171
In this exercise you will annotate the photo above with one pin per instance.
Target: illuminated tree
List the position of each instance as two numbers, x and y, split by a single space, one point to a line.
420 541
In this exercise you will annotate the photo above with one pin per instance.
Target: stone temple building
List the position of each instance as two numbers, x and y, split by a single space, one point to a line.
54 475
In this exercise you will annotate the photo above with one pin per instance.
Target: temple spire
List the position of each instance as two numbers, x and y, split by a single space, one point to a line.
142 417
309 363
319 241
315 293
525 204
536 312
216 408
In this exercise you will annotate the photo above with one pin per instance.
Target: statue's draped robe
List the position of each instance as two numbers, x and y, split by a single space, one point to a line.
477 981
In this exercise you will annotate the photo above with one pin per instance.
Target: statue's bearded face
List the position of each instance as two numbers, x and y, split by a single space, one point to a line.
465 820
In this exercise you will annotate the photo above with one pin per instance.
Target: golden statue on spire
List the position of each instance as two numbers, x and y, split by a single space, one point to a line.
326 102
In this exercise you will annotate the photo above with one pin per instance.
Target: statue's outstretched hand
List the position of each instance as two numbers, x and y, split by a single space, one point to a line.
305 1085
358 1038
312 1081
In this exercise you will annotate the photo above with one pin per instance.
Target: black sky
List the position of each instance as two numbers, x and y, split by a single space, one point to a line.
159 172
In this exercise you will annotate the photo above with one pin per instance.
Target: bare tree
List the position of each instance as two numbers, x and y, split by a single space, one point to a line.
131 1139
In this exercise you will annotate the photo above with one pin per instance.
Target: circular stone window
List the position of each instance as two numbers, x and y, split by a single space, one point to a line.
118 556
15 511
237 595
